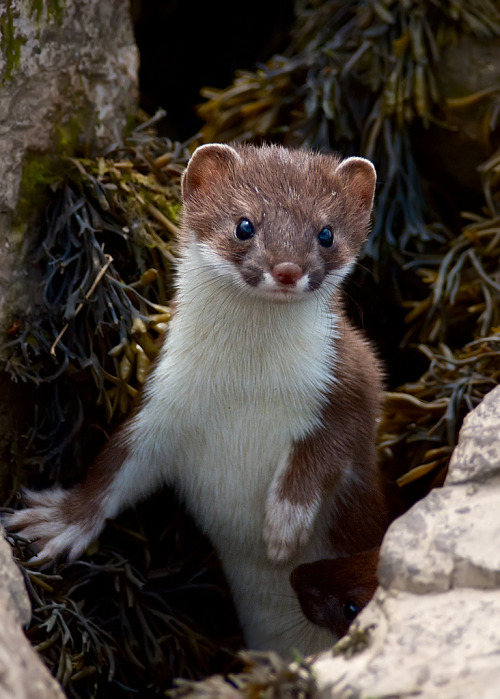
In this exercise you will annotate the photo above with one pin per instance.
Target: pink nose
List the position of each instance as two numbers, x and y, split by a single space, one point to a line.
287 273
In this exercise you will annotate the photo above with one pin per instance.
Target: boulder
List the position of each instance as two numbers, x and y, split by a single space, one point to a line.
68 84
433 627
22 673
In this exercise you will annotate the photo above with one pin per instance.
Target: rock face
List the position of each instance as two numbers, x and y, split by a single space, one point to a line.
433 627
68 81
22 674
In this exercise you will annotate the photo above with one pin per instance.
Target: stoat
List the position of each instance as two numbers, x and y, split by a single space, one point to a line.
262 409
333 591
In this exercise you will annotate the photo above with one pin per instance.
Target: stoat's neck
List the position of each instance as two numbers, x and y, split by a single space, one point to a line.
214 301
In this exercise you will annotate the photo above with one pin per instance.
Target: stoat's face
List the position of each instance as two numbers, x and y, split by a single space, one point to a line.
332 592
277 223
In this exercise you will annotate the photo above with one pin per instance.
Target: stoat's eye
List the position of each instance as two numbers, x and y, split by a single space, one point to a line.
350 610
244 230
325 237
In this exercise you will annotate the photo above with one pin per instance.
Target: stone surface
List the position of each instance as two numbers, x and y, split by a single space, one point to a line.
448 540
68 80
434 624
75 79
13 593
477 456
22 673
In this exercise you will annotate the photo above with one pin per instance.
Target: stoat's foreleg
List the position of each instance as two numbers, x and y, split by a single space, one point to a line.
66 521
293 503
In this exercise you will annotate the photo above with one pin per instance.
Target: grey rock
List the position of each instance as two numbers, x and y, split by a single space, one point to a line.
12 591
456 545
22 673
420 646
476 458
68 78
433 628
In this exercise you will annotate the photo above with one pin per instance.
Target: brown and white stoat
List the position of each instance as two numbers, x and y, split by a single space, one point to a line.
333 591
262 409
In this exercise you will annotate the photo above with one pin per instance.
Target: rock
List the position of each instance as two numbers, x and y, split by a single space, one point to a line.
477 456
13 593
68 77
419 647
22 673
448 540
68 81
433 627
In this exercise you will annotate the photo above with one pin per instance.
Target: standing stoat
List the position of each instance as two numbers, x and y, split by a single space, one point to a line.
262 412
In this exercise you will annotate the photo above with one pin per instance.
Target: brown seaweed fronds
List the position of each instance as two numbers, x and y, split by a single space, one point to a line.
464 286
457 328
105 255
422 419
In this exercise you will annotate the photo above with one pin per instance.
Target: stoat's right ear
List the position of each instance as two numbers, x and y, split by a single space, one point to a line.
209 164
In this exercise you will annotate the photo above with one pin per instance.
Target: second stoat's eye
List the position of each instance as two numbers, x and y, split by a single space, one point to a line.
325 237
350 610
244 230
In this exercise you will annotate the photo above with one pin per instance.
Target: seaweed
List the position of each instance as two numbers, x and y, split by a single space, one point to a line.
456 326
104 256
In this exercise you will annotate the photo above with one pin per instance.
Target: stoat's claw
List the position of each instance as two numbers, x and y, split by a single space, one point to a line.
44 522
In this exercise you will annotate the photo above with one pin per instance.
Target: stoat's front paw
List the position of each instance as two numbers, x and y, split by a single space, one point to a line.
49 521
287 527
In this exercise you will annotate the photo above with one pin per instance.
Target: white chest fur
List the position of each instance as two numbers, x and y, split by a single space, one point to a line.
240 379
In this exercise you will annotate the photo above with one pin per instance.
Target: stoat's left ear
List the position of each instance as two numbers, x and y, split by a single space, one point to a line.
359 177
209 164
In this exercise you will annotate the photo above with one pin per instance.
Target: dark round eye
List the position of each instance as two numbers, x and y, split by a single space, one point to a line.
325 238
350 610
244 229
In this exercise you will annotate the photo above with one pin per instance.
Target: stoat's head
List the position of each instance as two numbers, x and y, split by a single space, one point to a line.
279 223
333 591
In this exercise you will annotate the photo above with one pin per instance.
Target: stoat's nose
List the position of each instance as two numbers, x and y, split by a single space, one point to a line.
287 273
